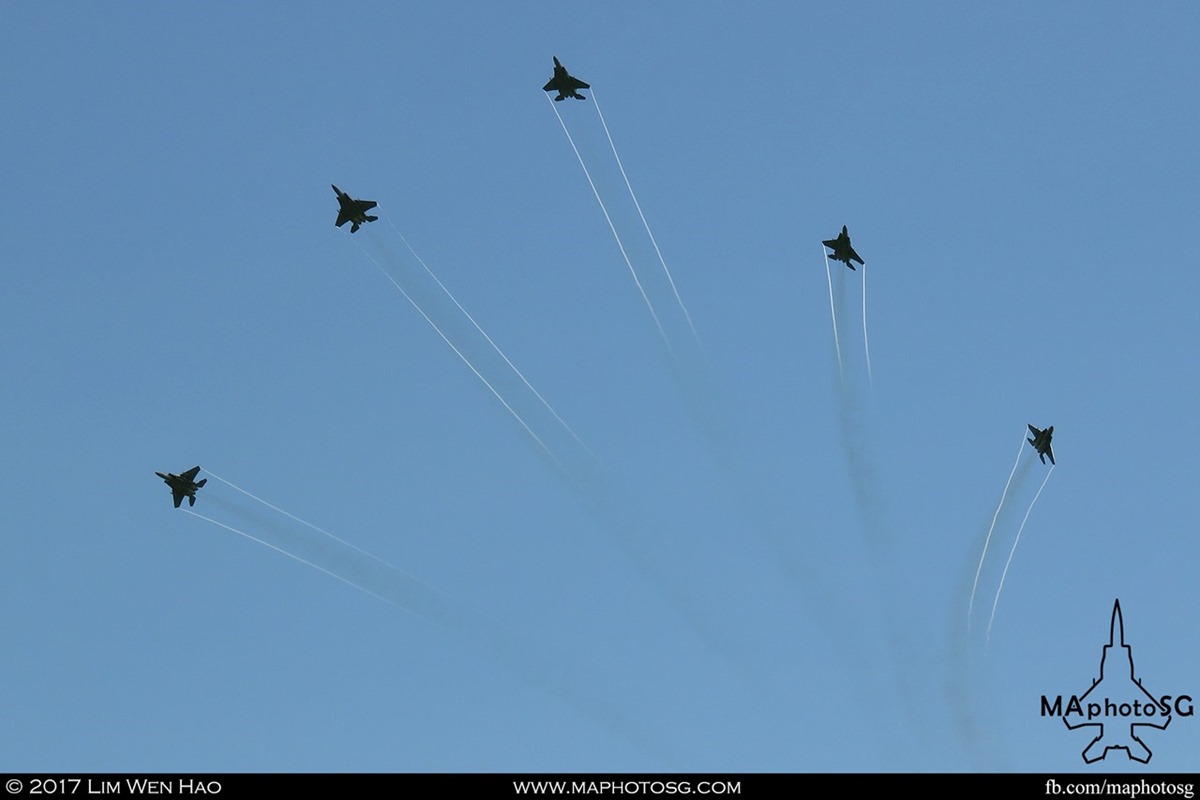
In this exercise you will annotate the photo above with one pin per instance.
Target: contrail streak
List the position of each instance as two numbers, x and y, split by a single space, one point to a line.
315 566
866 343
482 332
273 507
460 354
833 312
594 492
612 228
415 597
978 569
646 224
1013 551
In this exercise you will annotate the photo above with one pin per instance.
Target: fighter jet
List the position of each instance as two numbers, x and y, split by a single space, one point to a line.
1041 442
564 83
351 210
842 251
184 485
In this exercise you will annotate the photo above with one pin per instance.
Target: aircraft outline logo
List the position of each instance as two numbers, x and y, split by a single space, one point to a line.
1117 704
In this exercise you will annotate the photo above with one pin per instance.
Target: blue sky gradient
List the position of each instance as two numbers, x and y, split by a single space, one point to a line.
739 556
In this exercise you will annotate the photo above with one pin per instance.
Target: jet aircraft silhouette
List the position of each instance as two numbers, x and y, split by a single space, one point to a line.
842 251
351 210
1041 442
564 83
184 485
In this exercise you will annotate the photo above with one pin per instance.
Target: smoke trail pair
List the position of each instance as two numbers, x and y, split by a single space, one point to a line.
1017 539
471 343
483 333
657 288
356 567
833 311
539 421
348 563
637 279
1013 551
852 407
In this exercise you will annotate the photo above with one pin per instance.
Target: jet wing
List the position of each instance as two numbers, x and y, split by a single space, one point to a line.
855 257
830 243
342 219
565 85
363 205
191 473
178 494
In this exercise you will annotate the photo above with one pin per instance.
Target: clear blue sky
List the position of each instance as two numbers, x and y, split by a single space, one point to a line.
756 562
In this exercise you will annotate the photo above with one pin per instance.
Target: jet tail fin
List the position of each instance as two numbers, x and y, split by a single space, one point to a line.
369 218
191 499
201 482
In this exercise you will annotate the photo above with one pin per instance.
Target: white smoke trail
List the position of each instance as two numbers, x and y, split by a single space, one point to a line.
598 496
833 312
290 515
988 539
409 594
280 549
1013 551
612 228
645 224
866 342
462 356
483 333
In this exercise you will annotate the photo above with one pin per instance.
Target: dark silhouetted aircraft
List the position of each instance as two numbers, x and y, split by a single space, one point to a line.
564 83
351 210
184 485
842 251
1041 442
